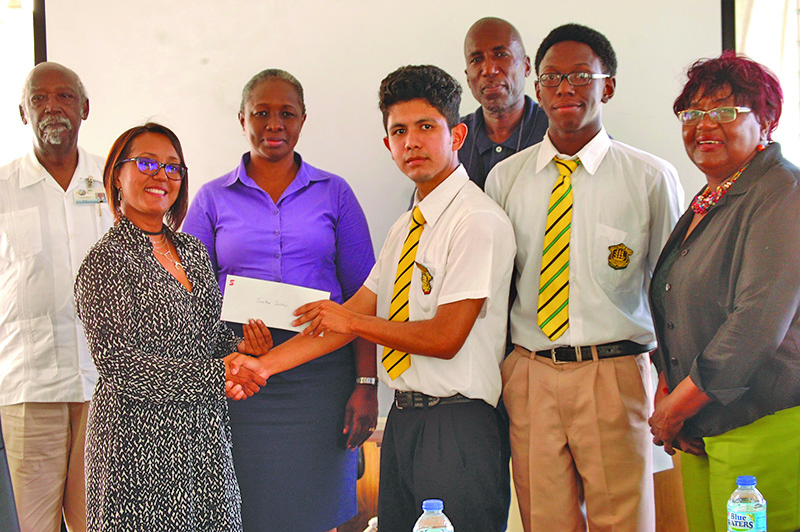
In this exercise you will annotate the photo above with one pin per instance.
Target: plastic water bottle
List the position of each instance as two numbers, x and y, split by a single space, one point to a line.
372 525
747 509
433 518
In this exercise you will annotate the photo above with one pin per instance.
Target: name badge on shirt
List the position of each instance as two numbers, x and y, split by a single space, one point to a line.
89 195
426 278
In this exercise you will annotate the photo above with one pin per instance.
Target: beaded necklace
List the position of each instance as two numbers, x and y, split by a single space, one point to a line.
707 199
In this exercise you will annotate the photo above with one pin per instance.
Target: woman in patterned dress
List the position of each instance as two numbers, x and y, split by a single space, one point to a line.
158 451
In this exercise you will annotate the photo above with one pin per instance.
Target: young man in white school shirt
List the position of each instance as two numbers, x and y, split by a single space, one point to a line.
577 385
442 435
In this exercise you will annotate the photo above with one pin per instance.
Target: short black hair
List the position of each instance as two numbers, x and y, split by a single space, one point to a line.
583 34
268 75
422 82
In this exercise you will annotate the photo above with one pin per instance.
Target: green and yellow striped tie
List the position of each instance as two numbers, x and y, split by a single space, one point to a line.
553 313
396 362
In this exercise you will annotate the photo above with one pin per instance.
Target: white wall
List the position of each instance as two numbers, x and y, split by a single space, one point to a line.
184 63
16 33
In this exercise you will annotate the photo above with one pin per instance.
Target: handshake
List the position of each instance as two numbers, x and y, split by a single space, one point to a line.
244 372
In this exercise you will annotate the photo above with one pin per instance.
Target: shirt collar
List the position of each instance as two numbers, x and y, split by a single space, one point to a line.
482 141
757 167
591 155
304 176
436 202
33 172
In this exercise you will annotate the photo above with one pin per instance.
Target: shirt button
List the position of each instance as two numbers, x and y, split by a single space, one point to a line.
498 149
684 252
277 232
673 361
668 287
275 213
670 325
277 255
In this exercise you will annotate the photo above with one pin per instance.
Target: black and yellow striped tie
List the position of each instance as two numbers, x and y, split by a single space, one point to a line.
553 310
396 362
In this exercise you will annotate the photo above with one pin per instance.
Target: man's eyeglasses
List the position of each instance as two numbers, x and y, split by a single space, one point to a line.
174 171
576 79
720 115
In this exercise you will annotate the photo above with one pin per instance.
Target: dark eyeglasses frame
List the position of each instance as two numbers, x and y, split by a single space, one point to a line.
182 168
582 78
713 114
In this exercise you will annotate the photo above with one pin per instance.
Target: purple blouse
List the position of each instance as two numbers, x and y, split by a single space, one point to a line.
315 236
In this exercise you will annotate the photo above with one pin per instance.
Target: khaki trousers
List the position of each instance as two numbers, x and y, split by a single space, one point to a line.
579 432
44 444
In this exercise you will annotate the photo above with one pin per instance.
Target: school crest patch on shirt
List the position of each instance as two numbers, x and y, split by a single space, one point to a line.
426 277
620 256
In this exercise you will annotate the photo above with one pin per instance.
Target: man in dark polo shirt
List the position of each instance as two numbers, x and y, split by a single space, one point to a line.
507 121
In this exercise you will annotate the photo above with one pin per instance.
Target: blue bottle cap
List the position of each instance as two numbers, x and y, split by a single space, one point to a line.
432 505
746 480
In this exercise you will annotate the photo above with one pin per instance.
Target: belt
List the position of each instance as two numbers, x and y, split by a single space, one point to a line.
420 400
563 355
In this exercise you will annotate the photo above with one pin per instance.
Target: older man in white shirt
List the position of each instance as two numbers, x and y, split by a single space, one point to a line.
51 213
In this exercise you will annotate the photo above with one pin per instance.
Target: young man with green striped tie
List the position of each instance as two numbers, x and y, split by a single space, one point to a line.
590 215
436 304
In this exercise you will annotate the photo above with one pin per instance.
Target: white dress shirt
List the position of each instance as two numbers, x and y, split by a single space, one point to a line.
621 195
467 246
44 235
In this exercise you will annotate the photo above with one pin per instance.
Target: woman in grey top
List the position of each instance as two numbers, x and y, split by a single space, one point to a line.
726 301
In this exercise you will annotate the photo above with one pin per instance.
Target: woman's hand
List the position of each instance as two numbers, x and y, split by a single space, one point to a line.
695 446
257 339
324 316
666 423
361 415
244 376
661 390
673 409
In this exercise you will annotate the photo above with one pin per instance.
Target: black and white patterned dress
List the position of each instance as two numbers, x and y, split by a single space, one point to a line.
158 451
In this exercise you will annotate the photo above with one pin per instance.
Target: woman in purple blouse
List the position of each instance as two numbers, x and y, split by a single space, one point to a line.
275 217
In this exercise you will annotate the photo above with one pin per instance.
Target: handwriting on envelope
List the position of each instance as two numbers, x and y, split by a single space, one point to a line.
273 303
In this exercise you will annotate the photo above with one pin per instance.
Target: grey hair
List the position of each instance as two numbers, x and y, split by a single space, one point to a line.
27 85
269 74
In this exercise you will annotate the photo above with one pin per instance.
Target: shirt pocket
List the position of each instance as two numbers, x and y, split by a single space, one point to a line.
20 234
617 259
426 283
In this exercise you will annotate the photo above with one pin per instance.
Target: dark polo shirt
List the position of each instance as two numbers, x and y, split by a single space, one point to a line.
479 153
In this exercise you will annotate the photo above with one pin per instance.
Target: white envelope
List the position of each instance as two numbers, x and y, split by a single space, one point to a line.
272 303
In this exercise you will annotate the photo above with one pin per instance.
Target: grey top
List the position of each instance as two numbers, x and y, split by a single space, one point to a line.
730 318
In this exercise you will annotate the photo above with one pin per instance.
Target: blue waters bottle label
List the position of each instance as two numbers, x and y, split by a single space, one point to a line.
747 521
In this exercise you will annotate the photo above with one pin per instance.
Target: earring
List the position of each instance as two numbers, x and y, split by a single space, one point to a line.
762 145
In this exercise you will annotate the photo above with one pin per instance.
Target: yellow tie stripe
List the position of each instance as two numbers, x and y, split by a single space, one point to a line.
396 362
553 308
